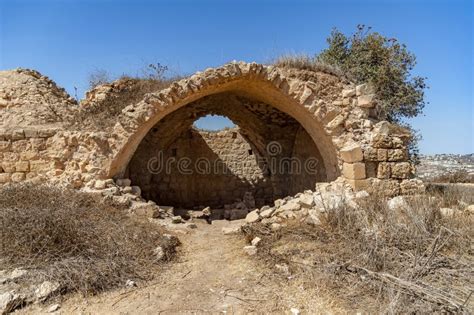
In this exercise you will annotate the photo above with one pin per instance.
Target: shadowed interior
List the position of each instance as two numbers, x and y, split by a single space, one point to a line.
269 155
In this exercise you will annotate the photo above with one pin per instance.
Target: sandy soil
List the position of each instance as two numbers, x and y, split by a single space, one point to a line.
212 274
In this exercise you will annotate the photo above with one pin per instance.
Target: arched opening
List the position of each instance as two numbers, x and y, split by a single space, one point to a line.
268 155
213 123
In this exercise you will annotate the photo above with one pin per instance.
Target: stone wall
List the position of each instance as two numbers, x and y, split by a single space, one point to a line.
312 168
24 154
222 167
52 155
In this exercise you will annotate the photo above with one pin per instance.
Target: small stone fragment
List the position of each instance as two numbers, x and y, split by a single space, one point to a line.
53 308
9 301
447 212
159 253
267 213
46 289
177 219
256 241
306 200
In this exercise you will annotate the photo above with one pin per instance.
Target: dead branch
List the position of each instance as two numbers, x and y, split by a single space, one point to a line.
424 291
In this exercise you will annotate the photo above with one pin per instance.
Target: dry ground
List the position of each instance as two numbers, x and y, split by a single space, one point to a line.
212 275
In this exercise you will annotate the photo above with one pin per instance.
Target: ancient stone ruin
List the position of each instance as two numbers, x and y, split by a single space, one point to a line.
295 128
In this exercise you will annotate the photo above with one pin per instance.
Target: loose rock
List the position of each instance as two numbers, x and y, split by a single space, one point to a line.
9 301
53 308
252 217
46 289
256 241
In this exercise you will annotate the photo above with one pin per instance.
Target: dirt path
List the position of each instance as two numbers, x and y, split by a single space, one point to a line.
212 275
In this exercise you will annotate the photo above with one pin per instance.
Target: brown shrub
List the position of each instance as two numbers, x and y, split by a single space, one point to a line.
460 176
356 255
70 237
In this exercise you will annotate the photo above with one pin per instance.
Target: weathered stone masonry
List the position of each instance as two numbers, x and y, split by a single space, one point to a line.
337 116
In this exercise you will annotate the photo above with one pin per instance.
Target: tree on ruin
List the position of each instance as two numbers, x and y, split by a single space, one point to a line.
384 62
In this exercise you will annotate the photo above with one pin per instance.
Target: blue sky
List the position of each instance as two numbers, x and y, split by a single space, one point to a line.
67 40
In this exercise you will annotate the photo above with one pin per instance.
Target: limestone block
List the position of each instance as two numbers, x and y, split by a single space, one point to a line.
336 125
38 144
100 184
352 153
10 156
22 166
145 209
382 155
21 145
39 166
46 133
5 178
252 217
354 170
364 89
267 212
8 167
18 134
381 141
306 200
397 143
366 101
307 92
29 156
384 170
31 133
371 154
292 205
390 187
5 146
6 135
401 170
18 177
397 155
348 93
358 184
371 169
412 186
123 182
30 175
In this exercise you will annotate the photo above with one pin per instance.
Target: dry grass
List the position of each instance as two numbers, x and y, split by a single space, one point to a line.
76 240
461 176
305 62
378 260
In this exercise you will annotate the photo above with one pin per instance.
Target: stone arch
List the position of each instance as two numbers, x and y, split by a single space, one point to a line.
340 118
309 103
